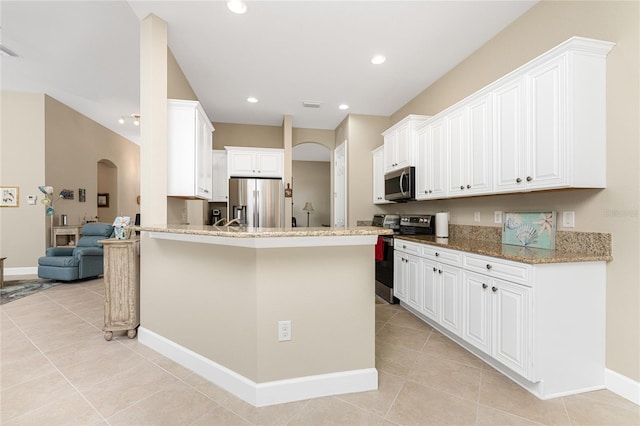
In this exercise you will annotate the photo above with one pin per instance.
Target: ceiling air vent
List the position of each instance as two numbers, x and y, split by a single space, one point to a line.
311 104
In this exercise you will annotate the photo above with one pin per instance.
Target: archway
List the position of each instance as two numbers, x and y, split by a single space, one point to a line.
311 170
107 191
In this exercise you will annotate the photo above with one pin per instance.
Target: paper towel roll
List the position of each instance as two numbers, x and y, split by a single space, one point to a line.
442 225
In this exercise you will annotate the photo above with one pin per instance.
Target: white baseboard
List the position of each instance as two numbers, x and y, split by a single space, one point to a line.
30 270
262 394
622 385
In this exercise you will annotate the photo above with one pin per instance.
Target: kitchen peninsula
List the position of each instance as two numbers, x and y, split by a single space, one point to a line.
215 299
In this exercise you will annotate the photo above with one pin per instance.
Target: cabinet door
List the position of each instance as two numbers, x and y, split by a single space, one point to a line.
423 169
413 281
479 146
450 279
220 188
510 343
399 276
509 168
378 177
438 164
241 163
430 295
547 116
204 152
390 151
403 147
457 153
269 164
476 313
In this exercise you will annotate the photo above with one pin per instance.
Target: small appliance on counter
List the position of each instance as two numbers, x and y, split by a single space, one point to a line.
424 224
216 216
388 221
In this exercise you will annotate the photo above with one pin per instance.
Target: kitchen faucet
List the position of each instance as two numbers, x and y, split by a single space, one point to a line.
219 222
231 222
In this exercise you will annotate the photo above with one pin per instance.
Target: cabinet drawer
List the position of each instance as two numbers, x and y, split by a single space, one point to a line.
450 257
498 268
407 246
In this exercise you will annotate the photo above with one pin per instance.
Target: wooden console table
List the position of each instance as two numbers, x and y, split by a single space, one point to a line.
71 231
121 286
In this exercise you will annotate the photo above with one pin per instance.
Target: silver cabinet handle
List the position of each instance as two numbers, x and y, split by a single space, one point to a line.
468 186
494 289
435 269
484 285
489 266
437 254
439 271
529 178
461 187
430 191
518 180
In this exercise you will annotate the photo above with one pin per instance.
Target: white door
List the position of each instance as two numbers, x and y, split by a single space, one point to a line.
450 278
414 282
509 138
456 153
479 155
340 186
399 276
430 301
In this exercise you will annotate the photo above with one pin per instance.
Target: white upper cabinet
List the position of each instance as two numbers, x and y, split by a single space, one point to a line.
550 120
431 164
378 176
255 162
400 143
220 192
189 150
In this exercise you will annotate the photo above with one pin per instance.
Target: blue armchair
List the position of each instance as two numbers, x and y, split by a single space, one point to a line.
75 263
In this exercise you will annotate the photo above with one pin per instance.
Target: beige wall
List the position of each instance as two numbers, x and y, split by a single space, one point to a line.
74 146
614 210
364 134
256 136
321 136
23 231
46 142
312 182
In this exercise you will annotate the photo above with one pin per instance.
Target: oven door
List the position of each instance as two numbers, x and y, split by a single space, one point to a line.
384 269
399 185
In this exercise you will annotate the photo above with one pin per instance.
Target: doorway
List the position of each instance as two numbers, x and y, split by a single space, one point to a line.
311 180
107 191
340 185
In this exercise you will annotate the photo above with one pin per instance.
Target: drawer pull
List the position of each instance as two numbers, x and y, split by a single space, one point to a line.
437 254
404 247
461 187
494 289
518 180
439 271
468 186
529 178
484 285
489 266
435 269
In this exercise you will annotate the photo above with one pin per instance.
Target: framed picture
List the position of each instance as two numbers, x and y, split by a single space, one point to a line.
82 195
103 200
530 229
9 196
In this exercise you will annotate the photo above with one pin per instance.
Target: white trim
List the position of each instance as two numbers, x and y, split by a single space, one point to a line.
262 394
270 242
27 270
622 385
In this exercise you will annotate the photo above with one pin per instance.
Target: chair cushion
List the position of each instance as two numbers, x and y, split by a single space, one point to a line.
90 241
103 230
59 261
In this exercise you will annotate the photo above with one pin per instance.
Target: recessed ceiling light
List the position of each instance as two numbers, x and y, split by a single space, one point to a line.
237 6
252 100
344 106
378 59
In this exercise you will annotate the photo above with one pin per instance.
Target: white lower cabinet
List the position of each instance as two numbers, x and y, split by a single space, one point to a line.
542 325
496 319
441 288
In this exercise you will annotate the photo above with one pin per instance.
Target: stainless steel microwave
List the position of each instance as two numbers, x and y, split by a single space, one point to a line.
400 185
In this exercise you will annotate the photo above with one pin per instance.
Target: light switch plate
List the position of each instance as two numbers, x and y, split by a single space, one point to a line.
568 219
476 216
497 217
31 199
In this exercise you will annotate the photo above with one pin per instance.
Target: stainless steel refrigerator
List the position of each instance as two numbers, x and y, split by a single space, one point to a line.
256 202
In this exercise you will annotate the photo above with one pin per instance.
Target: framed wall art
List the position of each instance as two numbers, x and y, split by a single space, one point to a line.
103 200
9 196
530 229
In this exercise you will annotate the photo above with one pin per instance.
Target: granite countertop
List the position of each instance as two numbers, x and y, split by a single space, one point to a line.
250 232
509 252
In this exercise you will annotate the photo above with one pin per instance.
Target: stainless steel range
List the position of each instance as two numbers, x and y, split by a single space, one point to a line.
384 256
417 224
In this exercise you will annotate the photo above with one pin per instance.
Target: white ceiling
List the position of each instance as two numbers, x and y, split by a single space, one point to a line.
86 54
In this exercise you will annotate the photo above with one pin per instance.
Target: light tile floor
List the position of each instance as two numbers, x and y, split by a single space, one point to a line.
56 368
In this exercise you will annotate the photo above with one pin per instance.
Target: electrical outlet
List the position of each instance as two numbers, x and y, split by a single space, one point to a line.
476 216
31 199
497 217
284 331
568 219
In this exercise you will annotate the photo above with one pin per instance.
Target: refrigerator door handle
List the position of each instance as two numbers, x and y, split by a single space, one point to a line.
256 210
